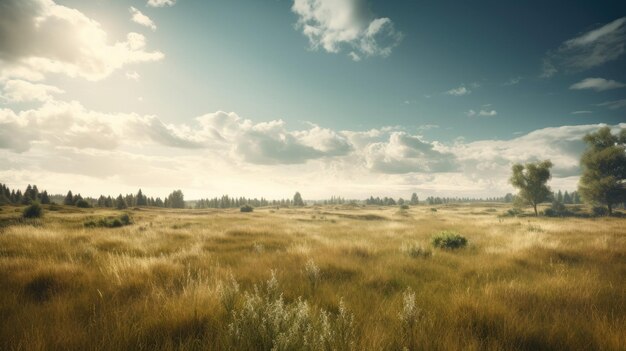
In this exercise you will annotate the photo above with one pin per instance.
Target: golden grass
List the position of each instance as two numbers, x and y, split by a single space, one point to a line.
193 280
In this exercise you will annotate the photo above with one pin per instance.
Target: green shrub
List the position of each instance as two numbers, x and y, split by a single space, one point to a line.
246 208
448 240
414 249
34 210
433 209
599 211
82 203
404 207
110 222
514 212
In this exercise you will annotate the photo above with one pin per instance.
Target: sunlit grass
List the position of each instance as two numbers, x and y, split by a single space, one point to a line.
346 278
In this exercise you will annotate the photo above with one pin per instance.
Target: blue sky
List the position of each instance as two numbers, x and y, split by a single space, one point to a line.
372 97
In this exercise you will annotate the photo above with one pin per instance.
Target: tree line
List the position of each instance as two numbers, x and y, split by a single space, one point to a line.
17 197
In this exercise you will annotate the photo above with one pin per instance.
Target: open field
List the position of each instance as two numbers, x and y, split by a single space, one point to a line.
326 278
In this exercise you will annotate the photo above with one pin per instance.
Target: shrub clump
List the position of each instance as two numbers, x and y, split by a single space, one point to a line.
448 240
265 321
599 211
110 222
557 209
246 208
404 207
34 210
82 203
414 249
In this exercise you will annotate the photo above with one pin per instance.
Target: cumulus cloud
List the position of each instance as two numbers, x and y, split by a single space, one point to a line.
405 153
597 84
161 3
38 37
23 91
139 18
271 142
337 25
460 91
590 49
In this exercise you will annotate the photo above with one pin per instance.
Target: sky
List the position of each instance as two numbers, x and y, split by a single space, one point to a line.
262 98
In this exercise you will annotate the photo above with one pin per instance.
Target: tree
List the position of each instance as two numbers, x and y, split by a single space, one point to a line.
44 198
142 200
69 199
604 168
297 200
531 181
508 198
120 203
414 199
176 199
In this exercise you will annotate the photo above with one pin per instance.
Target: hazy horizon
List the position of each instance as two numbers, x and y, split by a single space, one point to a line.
330 98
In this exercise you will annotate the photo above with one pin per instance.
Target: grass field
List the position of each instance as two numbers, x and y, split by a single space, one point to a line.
312 278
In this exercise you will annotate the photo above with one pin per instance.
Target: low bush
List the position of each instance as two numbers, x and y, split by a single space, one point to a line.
34 210
414 249
265 321
246 208
81 203
448 240
404 207
514 212
110 222
433 209
599 211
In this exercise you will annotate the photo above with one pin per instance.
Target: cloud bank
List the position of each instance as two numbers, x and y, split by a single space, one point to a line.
223 152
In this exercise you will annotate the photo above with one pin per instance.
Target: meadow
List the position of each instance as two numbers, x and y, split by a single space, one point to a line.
318 278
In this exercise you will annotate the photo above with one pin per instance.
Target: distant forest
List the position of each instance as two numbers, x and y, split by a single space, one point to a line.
176 200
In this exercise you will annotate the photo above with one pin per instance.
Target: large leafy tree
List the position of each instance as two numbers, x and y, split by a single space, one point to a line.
297 199
604 168
176 199
531 181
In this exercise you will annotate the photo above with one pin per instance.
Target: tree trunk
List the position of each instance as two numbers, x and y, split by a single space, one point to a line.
610 206
535 207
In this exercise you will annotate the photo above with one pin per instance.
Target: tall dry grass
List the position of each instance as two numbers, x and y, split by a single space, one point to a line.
325 278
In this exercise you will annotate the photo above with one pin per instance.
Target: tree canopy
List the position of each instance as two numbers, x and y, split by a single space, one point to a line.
604 168
531 181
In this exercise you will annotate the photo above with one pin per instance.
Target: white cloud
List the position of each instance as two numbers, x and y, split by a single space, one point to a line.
487 113
42 37
583 112
139 18
588 50
161 3
513 81
460 91
613 105
23 91
132 75
404 153
597 84
483 113
335 25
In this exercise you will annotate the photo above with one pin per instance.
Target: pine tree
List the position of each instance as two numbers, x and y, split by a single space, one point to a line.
69 199
120 203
